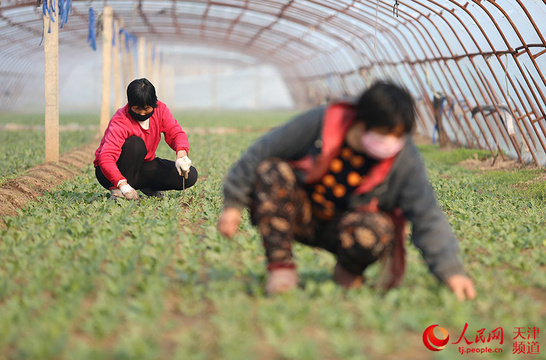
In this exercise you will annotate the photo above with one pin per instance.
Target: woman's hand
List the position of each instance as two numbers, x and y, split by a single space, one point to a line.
228 221
462 286
183 163
128 192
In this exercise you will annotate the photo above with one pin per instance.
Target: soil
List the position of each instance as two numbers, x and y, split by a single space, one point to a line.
34 182
495 163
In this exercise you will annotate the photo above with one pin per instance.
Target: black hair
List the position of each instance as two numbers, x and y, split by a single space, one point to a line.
141 93
385 104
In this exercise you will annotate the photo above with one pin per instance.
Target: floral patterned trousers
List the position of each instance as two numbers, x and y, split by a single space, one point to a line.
283 212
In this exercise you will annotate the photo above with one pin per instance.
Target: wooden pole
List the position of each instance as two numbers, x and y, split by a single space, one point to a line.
155 72
117 67
163 74
141 57
132 72
127 69
51 82
172 83
167 72
106 67
149 63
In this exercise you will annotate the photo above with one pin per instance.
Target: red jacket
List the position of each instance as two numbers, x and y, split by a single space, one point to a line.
123 126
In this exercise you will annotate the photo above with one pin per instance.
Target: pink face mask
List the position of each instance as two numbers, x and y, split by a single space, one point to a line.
380 146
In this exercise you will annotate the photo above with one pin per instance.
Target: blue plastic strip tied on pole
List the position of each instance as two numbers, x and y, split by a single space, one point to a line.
65 8
130 39
91 35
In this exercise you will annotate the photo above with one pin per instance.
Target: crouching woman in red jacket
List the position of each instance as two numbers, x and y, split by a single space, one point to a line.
126 161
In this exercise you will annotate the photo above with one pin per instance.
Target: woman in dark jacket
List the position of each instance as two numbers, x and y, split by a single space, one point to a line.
344 178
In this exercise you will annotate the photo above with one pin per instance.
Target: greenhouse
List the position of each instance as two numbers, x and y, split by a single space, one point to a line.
85 277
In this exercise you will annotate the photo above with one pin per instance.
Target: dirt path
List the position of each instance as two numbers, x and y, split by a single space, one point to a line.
33 183
16 193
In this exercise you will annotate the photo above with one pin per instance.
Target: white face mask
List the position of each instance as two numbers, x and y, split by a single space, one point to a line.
380 146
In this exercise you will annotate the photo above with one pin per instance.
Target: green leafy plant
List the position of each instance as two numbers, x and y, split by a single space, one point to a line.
84 277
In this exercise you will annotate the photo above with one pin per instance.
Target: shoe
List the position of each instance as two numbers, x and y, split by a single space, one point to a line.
116 194
347 279
152 193
281 281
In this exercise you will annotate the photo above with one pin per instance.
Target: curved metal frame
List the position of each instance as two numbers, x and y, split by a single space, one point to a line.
326 49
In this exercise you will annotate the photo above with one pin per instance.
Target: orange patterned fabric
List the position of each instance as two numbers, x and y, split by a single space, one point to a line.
282 210
344 175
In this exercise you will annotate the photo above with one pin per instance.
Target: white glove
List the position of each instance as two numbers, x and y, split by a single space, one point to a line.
129 193
183 166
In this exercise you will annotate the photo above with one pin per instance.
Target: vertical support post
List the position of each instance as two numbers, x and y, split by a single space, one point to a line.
51 82
155 71
106 67
141 57
117 67
163 81
149 62
126 68
170 84
124 57
132 72
167 84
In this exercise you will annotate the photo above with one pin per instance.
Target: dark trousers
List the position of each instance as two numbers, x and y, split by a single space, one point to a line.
158 174
283 212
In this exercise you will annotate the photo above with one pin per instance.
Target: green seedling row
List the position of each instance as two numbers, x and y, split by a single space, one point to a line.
21 150
82 277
